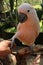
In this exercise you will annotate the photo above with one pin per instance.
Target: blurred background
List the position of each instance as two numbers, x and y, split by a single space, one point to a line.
9 19
9 16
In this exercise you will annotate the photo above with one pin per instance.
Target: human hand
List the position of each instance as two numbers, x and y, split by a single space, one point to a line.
5 48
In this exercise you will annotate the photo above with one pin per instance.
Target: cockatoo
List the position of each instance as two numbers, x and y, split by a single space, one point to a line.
28 27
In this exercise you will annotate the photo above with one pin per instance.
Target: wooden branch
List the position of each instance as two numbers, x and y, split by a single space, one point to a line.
26 51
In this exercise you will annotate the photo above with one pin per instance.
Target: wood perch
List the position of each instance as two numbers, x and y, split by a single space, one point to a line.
22 54
26 50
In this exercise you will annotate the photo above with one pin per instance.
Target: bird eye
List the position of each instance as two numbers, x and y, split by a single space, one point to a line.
28 10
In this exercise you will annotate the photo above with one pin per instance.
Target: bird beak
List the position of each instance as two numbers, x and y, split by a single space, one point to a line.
22 17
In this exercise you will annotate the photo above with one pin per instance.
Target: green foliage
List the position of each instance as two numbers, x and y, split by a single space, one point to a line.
33 2
41 26
1 24
12 30
13 16
37 7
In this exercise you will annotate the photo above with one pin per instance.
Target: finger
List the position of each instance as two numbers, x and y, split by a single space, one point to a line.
7 42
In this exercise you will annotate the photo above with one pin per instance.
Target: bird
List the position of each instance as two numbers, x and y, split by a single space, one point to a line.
28 27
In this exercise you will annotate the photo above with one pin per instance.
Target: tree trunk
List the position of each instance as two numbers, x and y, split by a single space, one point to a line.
1 5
